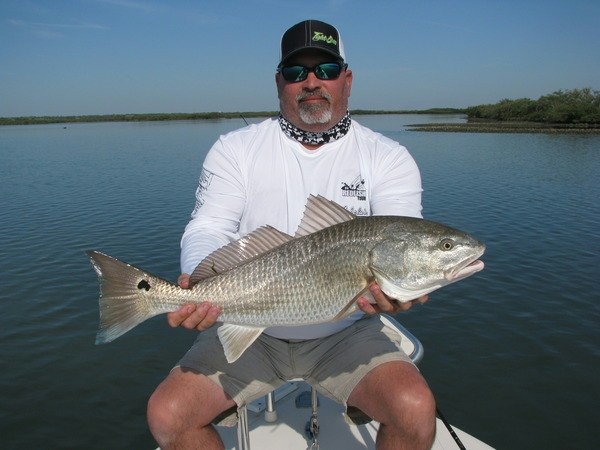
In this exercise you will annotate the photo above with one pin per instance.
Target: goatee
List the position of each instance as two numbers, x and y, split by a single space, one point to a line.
314 113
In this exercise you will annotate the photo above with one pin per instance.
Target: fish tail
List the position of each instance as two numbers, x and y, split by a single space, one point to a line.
123 304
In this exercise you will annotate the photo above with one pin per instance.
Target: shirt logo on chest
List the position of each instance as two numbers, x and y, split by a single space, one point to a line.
356 188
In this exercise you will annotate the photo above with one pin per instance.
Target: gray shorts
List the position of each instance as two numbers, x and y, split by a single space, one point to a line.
334 364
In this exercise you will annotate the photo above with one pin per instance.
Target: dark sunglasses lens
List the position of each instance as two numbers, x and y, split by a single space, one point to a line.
328 71
325 71
294 73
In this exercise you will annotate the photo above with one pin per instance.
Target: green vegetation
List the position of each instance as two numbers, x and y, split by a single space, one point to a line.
577 106
131 117
571 111
364 112
494 126
37 120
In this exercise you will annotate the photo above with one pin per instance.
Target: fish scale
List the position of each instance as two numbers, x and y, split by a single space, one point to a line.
268 291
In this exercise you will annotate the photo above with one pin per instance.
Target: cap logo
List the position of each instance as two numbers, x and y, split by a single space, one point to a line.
318 36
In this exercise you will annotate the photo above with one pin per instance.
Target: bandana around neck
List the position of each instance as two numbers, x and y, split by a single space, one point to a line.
308 137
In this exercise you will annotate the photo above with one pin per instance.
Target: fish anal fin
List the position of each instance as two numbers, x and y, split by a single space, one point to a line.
236 339
254 244
321 213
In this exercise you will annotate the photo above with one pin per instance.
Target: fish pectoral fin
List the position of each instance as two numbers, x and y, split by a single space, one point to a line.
236 339
351 307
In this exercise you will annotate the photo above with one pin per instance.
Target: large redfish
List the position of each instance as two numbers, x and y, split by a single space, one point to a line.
269 278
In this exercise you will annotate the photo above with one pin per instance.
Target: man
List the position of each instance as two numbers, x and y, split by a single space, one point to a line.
263 174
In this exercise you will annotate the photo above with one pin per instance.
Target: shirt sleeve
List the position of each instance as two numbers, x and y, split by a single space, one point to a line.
397 190
220 203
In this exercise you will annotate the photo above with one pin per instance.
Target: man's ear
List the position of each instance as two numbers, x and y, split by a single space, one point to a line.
349 78
278 82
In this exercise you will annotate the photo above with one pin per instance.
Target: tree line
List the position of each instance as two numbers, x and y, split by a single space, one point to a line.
576 106
150 117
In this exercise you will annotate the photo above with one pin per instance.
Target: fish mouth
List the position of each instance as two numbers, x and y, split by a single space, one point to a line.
464 271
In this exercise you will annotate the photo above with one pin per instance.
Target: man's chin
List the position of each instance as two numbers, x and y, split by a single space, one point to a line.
314 117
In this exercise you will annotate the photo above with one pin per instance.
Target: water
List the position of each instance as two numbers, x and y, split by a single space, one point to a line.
512 354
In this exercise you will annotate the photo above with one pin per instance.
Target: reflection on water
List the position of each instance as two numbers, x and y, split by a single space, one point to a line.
511 353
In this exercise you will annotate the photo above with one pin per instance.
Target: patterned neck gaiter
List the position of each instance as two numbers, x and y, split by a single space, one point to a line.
308 137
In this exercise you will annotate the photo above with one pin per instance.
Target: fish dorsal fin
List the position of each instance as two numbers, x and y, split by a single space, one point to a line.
321 213
233 254
236 339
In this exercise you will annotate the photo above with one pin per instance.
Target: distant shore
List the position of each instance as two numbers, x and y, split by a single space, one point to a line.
489 126
472 126
152 117
149 117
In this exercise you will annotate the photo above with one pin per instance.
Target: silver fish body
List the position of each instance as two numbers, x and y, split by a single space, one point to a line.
271 279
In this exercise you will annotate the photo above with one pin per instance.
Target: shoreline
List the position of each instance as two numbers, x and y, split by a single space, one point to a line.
154 117
149 117
505 127
472 126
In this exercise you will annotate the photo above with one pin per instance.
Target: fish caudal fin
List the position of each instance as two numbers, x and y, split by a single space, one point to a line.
122 303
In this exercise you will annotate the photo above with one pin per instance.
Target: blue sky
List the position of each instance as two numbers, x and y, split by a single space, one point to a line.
76 57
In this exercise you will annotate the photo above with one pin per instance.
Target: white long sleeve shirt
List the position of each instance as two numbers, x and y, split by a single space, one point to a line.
258 176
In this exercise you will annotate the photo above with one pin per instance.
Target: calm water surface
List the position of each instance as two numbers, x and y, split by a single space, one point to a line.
512 353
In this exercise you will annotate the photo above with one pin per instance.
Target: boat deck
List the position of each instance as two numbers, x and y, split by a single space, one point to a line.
289 430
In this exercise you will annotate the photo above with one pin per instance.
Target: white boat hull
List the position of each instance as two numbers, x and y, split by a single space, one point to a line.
288 431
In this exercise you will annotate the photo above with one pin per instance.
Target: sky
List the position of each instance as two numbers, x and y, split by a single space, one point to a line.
80 57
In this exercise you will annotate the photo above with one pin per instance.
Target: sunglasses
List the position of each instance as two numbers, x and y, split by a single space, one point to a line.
324 71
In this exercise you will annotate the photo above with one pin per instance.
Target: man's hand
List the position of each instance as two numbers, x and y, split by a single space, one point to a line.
193 317
384 304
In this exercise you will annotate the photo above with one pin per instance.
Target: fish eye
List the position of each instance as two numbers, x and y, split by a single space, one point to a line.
447 244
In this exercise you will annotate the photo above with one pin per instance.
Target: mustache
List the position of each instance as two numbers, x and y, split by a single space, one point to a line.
313 93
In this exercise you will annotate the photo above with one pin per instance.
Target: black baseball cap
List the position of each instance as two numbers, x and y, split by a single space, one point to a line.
311 34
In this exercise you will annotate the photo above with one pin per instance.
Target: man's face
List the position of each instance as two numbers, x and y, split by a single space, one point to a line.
313 104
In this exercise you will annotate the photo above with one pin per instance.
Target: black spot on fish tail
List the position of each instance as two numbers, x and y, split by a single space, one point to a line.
144 285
